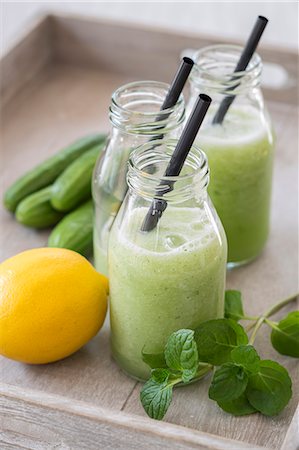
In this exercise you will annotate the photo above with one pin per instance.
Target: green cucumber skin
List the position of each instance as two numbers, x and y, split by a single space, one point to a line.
36 210
73 186
75 230
46 172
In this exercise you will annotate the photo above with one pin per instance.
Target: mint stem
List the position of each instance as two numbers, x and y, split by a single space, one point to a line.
203 368
274 309
202 371
252 325
257 326
280 305
250 318
203 364
272 324
175 381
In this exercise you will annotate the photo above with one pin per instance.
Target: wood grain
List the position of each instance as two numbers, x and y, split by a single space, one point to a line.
153 52
26 58
291 439
117 47
79 425
85 401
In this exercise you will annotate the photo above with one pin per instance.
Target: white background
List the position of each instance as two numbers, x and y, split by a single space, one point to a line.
222 19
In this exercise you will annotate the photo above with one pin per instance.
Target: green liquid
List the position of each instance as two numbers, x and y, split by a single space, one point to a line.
240 156
162 281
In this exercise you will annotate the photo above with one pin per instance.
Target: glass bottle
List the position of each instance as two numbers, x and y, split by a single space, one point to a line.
135 118
173 276
239 150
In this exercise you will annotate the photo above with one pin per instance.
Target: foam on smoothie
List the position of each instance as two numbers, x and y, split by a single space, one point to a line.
242 126
170 238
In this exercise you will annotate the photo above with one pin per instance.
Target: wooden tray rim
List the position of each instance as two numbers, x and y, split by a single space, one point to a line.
46 17
118 419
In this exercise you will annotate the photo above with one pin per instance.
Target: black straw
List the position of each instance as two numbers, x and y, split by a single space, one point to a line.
175 89
174 92
245 57
178 83
178 159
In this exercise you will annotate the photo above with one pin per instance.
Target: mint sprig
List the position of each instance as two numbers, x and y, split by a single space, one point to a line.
216 339
242 383
229 382
285 334
181 354
270 389
181 358
154 360
233 308
156 394
237 407
247 357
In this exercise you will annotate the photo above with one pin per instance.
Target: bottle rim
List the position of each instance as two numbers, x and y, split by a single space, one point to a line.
214 68
154 185
145 84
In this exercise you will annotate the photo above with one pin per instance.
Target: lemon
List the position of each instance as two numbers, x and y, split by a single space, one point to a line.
52 301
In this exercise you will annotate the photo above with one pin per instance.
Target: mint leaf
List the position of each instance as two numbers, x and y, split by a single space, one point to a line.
233 308
181 353
156 394
270 389
247 357
160 375
154 360
238 407
216 339
229 382
285 336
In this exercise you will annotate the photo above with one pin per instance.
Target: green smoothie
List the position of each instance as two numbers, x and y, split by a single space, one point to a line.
240 155
164 280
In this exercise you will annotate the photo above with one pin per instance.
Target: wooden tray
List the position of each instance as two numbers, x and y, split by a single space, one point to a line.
56 86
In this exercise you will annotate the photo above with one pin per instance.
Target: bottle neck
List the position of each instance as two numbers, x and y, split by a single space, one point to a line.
147 166
135 109
213 71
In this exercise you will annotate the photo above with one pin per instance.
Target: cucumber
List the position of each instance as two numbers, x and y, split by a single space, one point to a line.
46 172
36 210
74 231
73 186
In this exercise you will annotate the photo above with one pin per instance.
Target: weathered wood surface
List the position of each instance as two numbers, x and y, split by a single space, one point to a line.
27 58
145 53
42 404
79 425
119 47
